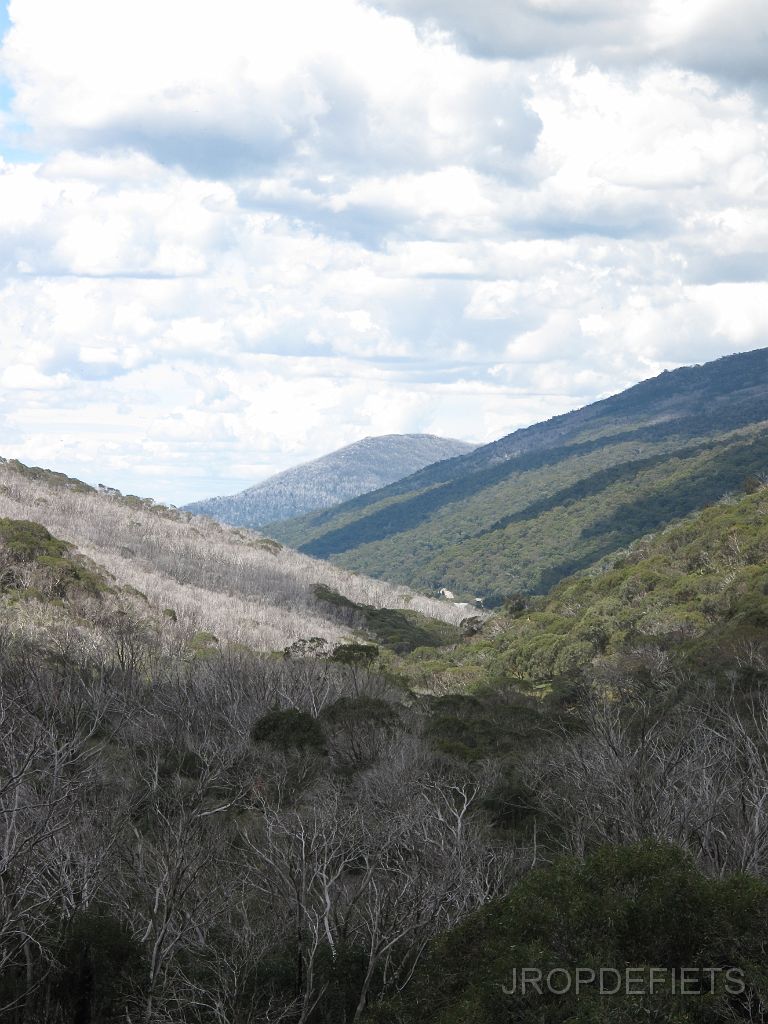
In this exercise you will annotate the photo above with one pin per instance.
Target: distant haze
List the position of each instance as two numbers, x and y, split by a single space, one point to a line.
356 469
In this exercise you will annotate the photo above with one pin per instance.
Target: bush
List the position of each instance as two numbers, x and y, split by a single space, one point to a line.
203 645
26 541
642 906
363 655
289 728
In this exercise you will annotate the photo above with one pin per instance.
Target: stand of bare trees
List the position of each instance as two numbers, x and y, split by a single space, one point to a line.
695 774
220 578
193 831
157 863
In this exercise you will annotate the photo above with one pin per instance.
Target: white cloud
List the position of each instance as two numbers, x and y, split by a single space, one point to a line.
737 311
24 377
250 87
729 40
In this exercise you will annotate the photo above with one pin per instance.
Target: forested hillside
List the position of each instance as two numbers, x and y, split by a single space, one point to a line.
648 778
229 581
524 512
692 598
557 949
193 830
355 469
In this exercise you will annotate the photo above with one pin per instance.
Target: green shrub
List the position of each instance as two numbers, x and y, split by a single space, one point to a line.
289 728
203 644
624 907
26 541
362 655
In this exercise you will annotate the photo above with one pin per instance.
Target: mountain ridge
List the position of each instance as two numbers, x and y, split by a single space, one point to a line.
367 464
467 523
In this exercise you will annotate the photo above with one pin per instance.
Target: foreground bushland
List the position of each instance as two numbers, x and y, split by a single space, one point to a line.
197 831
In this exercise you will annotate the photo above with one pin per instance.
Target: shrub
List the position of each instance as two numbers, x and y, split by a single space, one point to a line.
640 907
202 644
289 728
355 654
26 541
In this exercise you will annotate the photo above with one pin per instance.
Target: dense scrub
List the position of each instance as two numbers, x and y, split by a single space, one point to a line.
401 629
196 831
646 906
217 835
193 831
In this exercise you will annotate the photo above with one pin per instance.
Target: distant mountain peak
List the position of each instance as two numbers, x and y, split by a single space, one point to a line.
357 468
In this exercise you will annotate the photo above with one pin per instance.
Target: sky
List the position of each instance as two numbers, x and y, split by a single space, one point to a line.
235 236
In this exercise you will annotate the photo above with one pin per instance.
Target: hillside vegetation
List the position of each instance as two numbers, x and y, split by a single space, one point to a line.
355 469
228 581
524 512
196 831
645 906
692 597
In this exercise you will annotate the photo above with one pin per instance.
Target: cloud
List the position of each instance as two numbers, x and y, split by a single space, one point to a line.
249 90
25 377
527 29
253 235
728 41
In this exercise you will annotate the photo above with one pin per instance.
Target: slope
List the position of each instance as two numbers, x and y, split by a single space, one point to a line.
228 581
356 469
196 824
691 599
523 512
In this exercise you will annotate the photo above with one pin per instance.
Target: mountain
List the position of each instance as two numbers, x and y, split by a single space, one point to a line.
525 511
658 660
363 466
